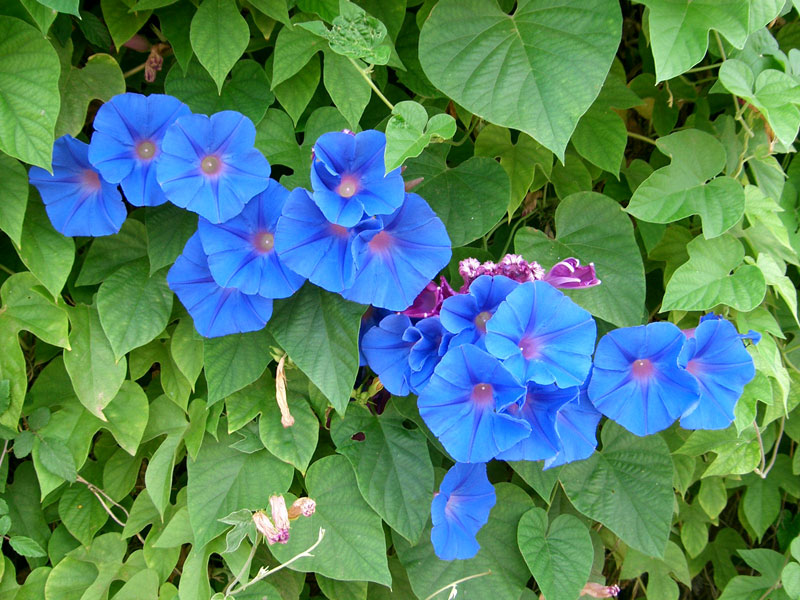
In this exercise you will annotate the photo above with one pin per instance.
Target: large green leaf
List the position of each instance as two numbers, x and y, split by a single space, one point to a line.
295 93
319 331
48 254
714 274
354 547
537 70
29 95
679 30
168 229
234 361
627 487
65 6
15 197
134 307
81 513
109 253
219 36
127 416
294 47
498 554
348 89
121 21
223 480
470 198
683 188
100 79
26 305
95 372
594 229
247 90
392 464
559 553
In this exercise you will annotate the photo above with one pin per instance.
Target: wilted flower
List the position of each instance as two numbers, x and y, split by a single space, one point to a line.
302 507
77 199
636 379
266 528
428 302
280 516
210 166
569 274
126 144
349 179
460 509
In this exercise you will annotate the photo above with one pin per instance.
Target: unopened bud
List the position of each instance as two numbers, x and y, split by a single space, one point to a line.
280 516
287 420
302 507
596 590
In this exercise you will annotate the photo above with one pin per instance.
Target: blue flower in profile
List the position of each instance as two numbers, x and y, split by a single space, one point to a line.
466 315
241 251
315 248
395 263
208 164
126 143
77 199
216 310
541 405
636 379
576 426
387 353
349 179
542 335
722 366
429 342
459 509
463 405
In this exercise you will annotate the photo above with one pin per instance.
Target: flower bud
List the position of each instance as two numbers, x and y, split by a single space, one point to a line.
596 590
265 527
302 507
280 516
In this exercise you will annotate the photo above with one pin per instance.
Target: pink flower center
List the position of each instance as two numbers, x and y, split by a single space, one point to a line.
145 150
695 367
481 320
483 394
347 187
339 231
381 242
530 348
210 165
264 242
91 179
643 368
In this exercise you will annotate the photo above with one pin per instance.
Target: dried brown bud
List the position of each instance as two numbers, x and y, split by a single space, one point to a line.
287 420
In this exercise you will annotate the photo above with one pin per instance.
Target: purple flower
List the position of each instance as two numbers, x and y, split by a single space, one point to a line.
542 336
716 357
315 248
394 263
241 251
77 199
387 353
209 165
512 266
570 274
467 315
428 302
126 143
459 509
216 310
636 379
349 179
463 403
576 426
541 405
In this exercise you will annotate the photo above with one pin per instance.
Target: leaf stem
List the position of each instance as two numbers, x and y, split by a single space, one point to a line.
704 68
97 494
455 583
265 572
642 138
6 269
134 70
365 74
244 568
763 464
775 449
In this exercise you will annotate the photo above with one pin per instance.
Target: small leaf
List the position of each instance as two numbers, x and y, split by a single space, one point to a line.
56 458
122 24
25 546
168 228
48 254
234 361
219 36
81 512
409 130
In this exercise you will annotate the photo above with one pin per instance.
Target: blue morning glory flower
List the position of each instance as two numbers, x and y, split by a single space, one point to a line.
77 199
722 366
126 143
576 426
430 342
459 509
241 251
542 335
371 318
208 164
463 401
315 248
541 405
636 379
387 353
216 310
349 179
395 263
466 315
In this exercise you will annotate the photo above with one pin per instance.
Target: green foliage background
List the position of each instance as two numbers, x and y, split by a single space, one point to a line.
653 138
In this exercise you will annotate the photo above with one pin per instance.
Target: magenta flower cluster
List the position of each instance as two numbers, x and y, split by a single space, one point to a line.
356 233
